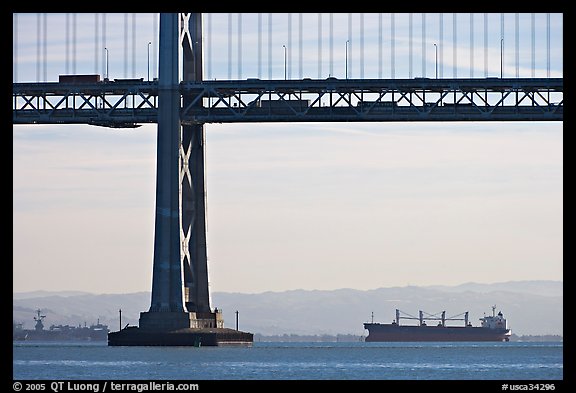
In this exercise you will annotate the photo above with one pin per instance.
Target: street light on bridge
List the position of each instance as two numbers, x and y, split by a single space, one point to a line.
149 43
106 49
501 56
347 41
284 46
436 50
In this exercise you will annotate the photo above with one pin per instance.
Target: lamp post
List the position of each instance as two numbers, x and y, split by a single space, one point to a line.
284 46
436 50
149 43
346 67
106 49
501 56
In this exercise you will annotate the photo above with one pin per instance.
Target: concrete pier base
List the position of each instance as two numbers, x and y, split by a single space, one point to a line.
170 328
202 337
153 320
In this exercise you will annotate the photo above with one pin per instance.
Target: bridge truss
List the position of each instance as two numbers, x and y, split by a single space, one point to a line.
129 103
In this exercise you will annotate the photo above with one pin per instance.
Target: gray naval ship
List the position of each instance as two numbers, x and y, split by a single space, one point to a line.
97 332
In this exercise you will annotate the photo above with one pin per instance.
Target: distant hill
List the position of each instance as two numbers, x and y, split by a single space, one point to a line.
531 307
36 294
543 288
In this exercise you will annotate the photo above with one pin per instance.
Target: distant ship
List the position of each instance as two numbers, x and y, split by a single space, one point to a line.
97 332
493 328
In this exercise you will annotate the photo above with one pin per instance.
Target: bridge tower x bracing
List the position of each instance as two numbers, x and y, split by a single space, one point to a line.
180 295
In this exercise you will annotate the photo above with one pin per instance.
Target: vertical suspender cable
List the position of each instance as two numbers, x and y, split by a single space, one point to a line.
67 63
502 42
96 42
319 46
133 45
454 51
208 48
330 35
392 73
361 46
410 25
15 48
423 45
485 45
229 46
533 40
269 46
239 46
349 45
125 45
380 45
155 45
517 42
300 45
74 43
38 45
289 45
259 45
471 45
441 43
104 68
45 47
548 45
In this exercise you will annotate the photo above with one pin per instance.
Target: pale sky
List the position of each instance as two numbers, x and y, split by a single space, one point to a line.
307 205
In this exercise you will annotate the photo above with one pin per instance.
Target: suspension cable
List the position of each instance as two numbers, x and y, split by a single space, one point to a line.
300 46
454 46
361 45
319 45
259 45
239 45
15 48
133 45
125 45
96 36
410 27
423 45
517 42
289 50
392 73
331 27
471 45
380 45
270 46
485 45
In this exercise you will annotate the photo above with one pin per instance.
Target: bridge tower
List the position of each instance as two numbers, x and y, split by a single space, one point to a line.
180 297
180 312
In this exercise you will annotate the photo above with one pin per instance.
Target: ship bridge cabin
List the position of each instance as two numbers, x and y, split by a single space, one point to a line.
496 321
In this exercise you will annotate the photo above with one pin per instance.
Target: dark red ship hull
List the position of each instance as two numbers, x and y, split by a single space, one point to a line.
390 332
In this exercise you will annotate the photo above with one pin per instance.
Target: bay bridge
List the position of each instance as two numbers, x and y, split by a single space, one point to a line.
181 101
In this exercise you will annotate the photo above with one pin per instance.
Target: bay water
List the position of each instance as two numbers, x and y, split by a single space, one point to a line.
292 361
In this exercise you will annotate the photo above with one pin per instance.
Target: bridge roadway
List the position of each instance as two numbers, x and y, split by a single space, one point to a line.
132 102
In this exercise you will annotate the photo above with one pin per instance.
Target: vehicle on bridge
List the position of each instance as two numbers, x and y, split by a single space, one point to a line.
376 105
283 104
79 78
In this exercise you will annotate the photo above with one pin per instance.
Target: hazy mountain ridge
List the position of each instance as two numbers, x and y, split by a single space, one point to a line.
543 287
531 307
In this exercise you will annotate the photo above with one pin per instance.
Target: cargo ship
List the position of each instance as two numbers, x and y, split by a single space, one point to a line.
492 328
97 332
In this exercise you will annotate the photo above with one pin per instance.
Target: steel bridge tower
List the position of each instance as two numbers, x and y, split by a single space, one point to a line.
180 312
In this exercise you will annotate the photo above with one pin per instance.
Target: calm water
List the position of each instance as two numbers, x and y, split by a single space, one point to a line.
302 361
